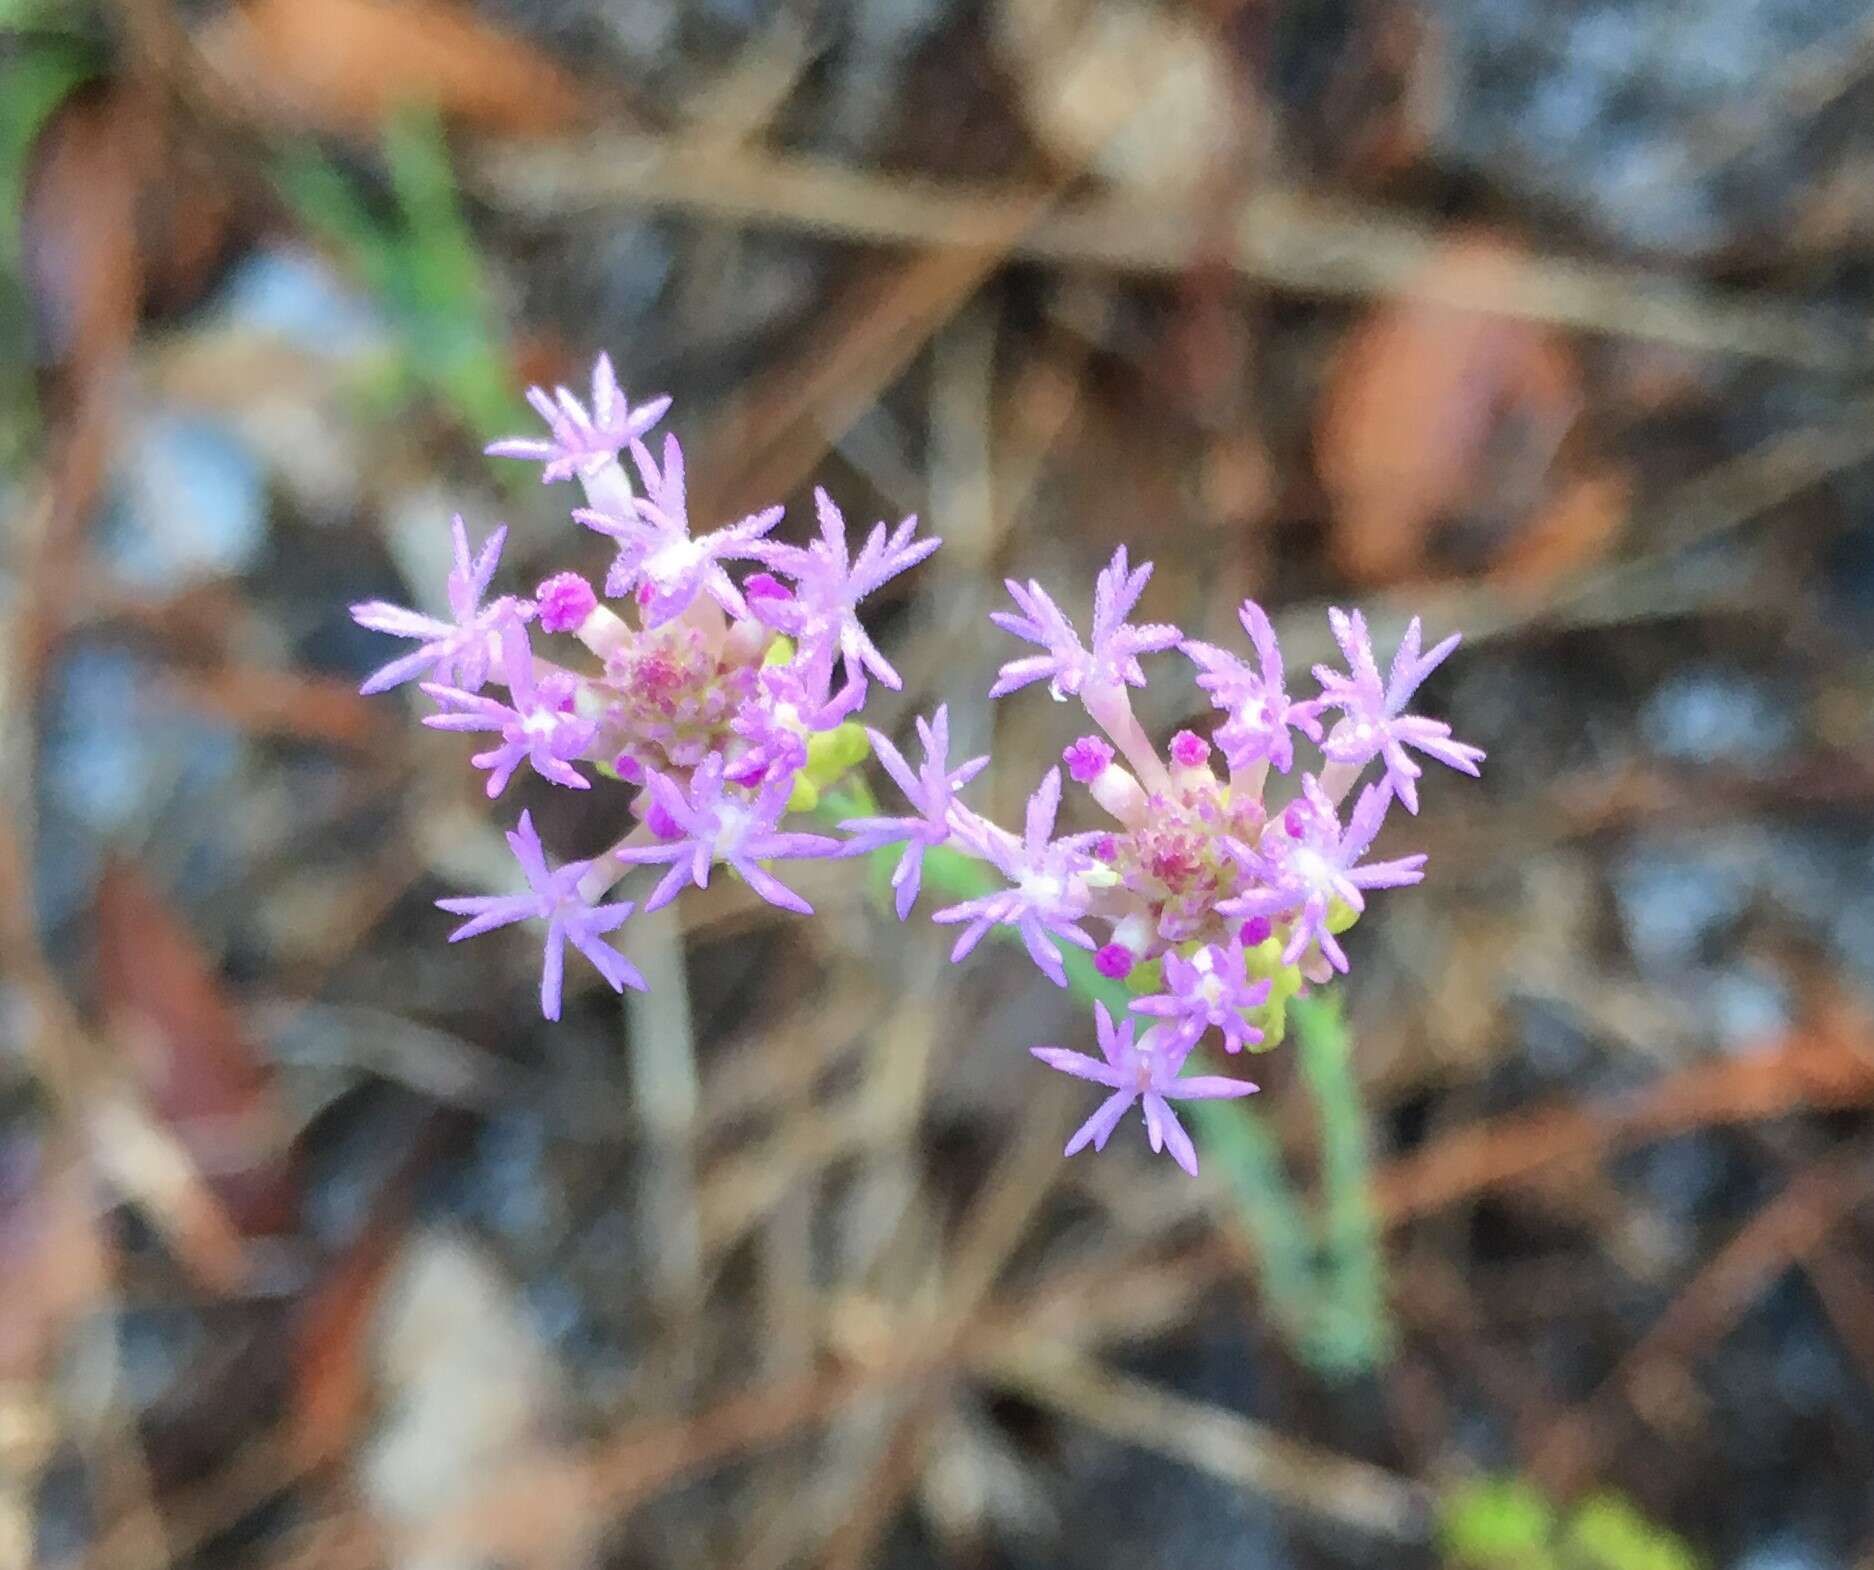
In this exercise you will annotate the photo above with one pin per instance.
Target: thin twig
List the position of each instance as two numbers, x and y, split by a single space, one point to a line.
1282 239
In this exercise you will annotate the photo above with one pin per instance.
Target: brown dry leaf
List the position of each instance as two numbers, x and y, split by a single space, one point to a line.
1412 408
197 1069
1574 529
343 66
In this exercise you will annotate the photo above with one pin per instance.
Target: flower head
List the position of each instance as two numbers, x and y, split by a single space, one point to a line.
1050 892
1067 664
1145 1071
582 439
1256 700
822 614
539 723
712 823
931 790
1305 865
1211 989
1373 722
553 897
456 652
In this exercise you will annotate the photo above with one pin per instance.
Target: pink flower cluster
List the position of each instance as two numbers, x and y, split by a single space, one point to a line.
723 706
1213 903
726 705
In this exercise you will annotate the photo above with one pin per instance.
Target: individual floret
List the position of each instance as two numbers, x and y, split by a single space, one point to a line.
582 439
1306 864
931 790
1256 700
1210 990
657 557
1068 665
1050 893
1144 1071
539 723
1373 722
552 896
712 822
822 612
455 652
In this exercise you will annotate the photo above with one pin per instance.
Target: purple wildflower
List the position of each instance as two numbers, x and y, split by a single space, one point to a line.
538 723
1306 864
1050 892
714 824
657 555
1373 723
552 897
931 790
582 440
1256 701
822 616
455 652
1146 1070
1069 665
1210 989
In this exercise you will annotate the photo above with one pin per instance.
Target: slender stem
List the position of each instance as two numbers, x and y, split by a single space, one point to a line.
665 1097
1352 1333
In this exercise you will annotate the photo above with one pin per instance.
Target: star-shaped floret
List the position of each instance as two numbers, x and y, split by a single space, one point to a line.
1067 664
553 897
582 439
1050 891
1305 864
1211 989
822 614
776 720
1373 721
658 558
713 823
456 652
1256 700
1145 1071
931 790
539 722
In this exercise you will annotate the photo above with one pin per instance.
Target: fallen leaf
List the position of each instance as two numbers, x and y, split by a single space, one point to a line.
1431 406
1572 530
191 1057
344 66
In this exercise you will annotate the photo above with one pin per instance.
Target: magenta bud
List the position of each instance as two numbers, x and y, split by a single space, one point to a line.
565 601
1107 847
1114 961
1255 931
1295 820
628 769
661 823
1087 759
1189 750
765 586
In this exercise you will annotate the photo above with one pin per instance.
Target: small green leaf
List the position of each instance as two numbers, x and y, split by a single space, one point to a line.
1500 1523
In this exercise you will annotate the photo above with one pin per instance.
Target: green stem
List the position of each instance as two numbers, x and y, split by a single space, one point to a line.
1325 1289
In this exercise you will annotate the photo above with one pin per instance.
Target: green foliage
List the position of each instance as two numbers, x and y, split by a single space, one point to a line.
420 263
46 70
1506 1523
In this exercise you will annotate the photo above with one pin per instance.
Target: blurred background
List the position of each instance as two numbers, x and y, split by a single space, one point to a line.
1546 319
